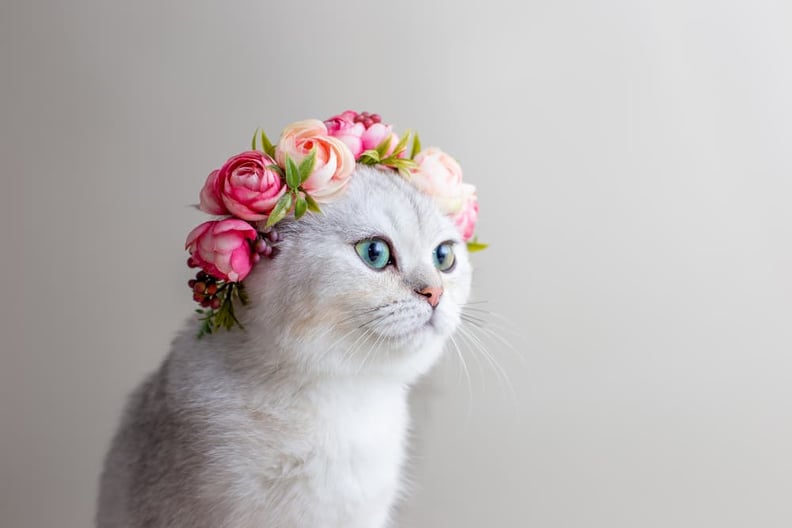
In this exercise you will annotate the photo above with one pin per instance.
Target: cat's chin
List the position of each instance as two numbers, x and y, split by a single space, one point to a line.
435 328
428 331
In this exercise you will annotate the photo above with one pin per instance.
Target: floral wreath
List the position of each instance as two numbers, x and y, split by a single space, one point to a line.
311 164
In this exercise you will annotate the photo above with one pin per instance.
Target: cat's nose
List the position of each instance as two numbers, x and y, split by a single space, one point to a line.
432 295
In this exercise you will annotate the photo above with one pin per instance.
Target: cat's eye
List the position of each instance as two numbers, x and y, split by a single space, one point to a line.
375 252
444 259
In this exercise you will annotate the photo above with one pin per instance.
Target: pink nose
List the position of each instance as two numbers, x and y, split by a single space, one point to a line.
432 295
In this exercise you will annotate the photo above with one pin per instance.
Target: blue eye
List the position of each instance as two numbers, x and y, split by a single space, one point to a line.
375 252
444 259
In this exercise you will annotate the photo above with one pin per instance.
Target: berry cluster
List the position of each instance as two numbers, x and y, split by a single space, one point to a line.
210 292
263 246
205 289
367 119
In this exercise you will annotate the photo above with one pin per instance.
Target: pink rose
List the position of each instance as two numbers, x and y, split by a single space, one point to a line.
211 202
440 176
361 132
466 219
222 248
334 161
376 134
345 128
245 186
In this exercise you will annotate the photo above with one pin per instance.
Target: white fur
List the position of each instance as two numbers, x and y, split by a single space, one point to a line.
300 420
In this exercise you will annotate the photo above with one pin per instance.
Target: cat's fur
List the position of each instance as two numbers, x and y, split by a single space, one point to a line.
300 419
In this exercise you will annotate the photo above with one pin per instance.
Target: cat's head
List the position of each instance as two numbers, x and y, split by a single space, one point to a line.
373 284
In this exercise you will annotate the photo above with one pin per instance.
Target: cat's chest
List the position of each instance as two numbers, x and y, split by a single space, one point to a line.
339 455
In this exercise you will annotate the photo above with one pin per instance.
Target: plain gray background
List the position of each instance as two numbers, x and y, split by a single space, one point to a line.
633 165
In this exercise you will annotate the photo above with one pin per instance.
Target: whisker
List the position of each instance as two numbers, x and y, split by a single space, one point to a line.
370 350
467 373
508 325
497 368
375 323
357 344
472 318
374 320
480 325
356 314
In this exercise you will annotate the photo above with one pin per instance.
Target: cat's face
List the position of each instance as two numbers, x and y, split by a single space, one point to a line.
375 282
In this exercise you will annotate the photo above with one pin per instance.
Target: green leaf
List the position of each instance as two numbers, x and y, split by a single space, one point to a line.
369 157
206 324
269 148
416 147
474 245
382 148
402 144
227 308
292 174
307 166
300 206
280 211
403 165
253 140
278 169
312 205
242 294
399 163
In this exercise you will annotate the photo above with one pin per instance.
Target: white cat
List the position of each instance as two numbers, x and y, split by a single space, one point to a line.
300 419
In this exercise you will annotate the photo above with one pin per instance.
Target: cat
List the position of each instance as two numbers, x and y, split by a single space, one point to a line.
300 419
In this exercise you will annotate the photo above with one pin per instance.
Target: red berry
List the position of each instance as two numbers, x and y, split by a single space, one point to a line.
191 263
367 122
198 297
191 283
376 118
215 303
211 289
199 287
206 303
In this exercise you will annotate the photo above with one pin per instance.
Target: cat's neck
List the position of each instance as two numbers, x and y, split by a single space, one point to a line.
323 361
261 370
336 398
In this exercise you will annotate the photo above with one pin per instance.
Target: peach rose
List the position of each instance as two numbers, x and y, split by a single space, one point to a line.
440 176
334 161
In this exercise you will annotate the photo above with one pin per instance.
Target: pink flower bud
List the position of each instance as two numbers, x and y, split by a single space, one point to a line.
376 134
222 248
345 128
466 219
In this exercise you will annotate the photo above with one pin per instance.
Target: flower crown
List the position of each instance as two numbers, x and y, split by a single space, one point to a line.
310 165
